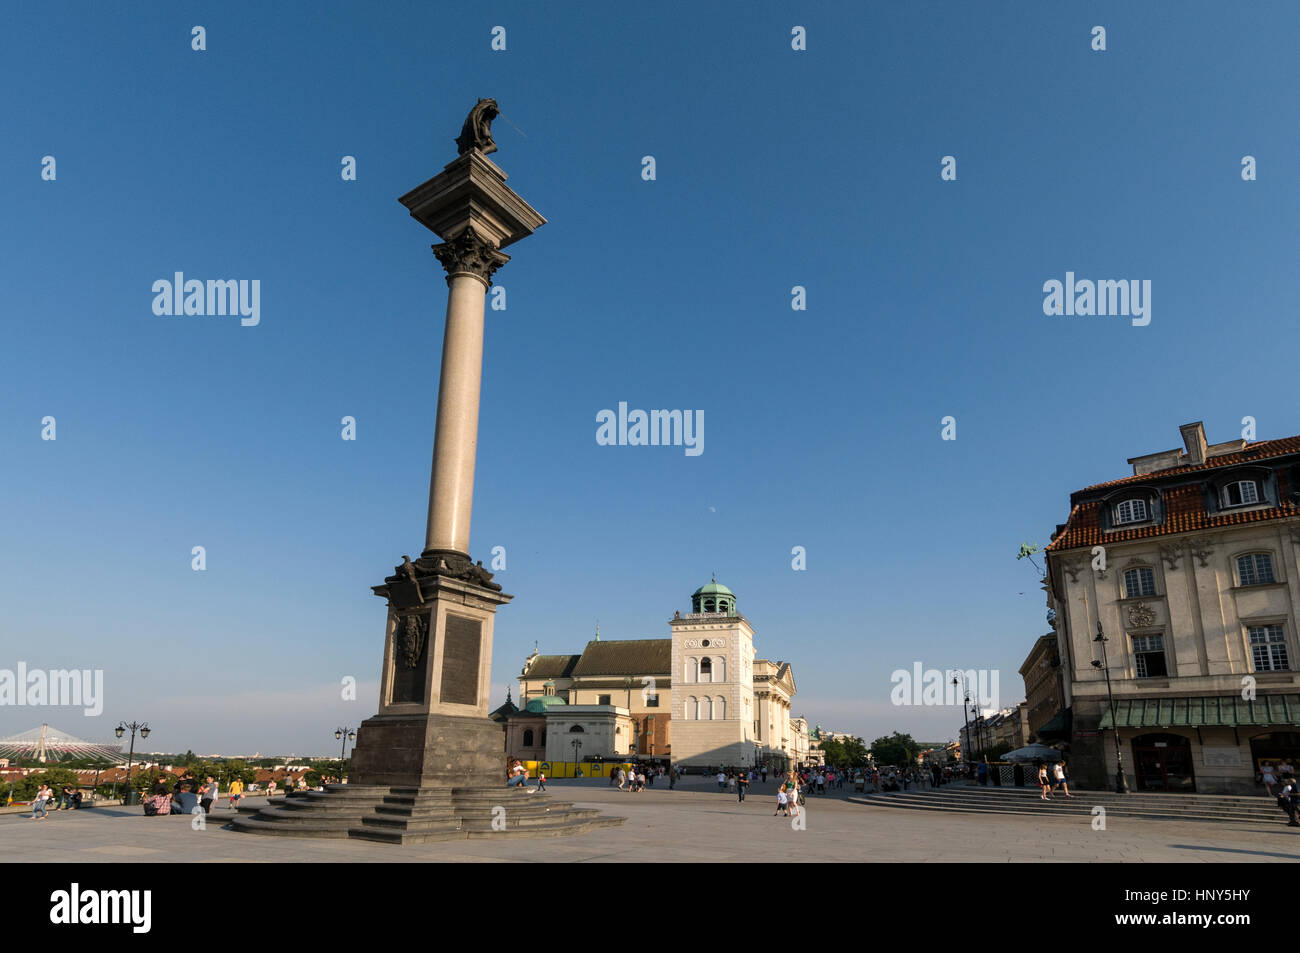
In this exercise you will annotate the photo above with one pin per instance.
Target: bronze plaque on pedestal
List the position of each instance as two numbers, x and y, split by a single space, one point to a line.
460 660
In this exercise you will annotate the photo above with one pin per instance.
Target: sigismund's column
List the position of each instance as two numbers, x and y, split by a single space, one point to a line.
432 729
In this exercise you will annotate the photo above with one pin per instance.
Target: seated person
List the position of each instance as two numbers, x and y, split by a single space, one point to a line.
185 800
158 803
518 775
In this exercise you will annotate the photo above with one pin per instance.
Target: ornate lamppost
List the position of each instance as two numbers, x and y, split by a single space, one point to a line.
347 734
133 727
1121 780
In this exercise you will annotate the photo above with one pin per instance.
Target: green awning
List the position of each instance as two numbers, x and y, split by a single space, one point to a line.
1216 711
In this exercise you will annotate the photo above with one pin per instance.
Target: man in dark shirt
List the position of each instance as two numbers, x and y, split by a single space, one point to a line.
742 785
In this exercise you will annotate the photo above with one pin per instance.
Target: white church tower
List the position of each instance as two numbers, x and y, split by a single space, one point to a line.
713 682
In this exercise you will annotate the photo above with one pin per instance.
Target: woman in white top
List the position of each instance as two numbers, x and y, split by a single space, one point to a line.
1268 777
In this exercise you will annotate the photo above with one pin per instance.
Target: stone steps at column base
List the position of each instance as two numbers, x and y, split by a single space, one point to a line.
559 829
256 825
407 816
951 807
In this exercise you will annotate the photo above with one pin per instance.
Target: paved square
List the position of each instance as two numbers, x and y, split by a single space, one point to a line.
693 823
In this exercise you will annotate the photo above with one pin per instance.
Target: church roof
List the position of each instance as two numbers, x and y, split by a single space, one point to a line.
553 666
505 711
629 657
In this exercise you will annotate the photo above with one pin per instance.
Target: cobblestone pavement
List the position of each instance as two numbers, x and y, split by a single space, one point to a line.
693 823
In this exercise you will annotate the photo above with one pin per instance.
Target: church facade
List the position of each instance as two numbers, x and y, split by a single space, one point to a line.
699 698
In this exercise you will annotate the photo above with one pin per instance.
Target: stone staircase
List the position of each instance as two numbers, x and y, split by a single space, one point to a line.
1026 801
414 816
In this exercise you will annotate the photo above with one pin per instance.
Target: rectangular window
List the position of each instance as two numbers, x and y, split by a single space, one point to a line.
1149 656
1139 582
1255 569
1268 648
1131 511
652 701
602 700
1241 494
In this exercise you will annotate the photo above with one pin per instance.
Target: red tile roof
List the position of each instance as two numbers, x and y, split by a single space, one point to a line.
1253 453
1184 505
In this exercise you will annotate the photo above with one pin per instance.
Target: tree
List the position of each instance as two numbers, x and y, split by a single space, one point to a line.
895 749
25 788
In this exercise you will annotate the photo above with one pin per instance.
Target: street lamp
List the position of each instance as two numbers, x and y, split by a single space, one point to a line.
347 734
133 727
577 746
965 716
1121 781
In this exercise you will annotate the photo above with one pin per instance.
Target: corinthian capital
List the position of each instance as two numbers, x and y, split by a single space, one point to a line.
470 254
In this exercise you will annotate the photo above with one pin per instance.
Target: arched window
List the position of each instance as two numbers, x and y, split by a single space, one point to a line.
1130 511
1255 569
577 730
706 670
692 670
720 709
1139 582
706 708
690 714
528 737
720 670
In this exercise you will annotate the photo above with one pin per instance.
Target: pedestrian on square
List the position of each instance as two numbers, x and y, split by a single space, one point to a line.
1287 800
1266 775
742 785
722 780
209 794
236 791
782 802
270 791
43 794
672 778
541 780
1059 771
763 774
613 777
792 792
731 782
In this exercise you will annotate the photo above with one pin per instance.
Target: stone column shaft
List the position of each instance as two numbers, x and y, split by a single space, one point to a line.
451 485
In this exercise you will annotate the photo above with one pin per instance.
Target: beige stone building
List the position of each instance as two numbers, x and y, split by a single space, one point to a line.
699 697
1188 567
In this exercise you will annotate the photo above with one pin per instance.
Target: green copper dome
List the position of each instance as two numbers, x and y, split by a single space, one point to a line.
540 705
714 597
714 588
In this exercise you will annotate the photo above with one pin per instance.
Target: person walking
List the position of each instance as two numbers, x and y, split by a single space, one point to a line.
622 778
43 795
792 793
782 802
722 780
742 785
209 794
1044 783
1287 800
1266 775
763 774
672 778
236 791
541 780
1059 771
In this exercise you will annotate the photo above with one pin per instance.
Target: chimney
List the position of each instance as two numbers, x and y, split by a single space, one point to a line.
1194 441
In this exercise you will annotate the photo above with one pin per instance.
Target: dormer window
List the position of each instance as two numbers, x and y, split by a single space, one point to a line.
1241 493
1130 511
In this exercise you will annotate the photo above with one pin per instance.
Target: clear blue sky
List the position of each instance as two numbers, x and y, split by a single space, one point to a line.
775 168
